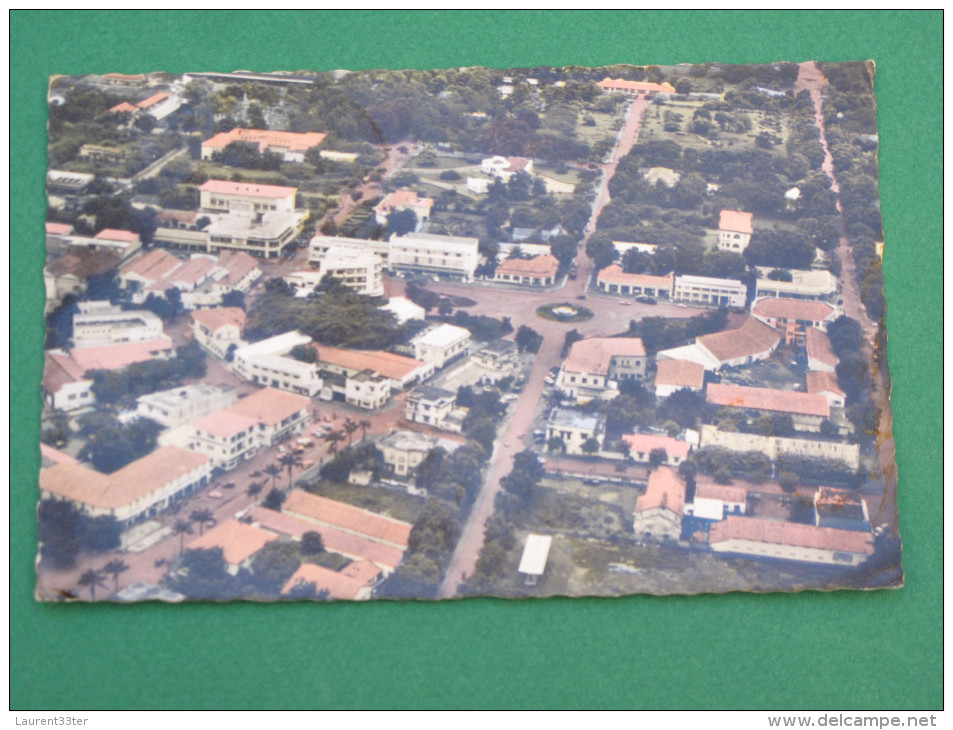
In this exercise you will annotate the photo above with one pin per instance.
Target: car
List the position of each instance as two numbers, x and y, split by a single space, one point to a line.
646 300
581 296
625 303
215 494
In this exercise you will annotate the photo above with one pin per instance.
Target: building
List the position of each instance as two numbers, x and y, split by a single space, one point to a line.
634 88
226 438
102 153
820 354
596 364
114 357
533 560
426 253
401 200
68 274
403 451
325 512
367 389
575 429
505 167
793 317
715 501
268 362
219 330
176 406
361 271
790 541
777 447
65 385
808 410
641 446
160 105
752 342
673 375
809 285
67 182
709 291
291 146
354 582
613 280
264 235
144 272
658 513
826 384
497 360
133 494
429 405
320 245
734 230
536 271
441 345
224 196
238 542
400 371
841 510
279 414
101 323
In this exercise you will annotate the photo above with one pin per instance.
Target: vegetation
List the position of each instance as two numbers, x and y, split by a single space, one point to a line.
65 533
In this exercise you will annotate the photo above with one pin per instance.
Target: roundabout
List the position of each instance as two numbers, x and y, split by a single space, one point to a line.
564 312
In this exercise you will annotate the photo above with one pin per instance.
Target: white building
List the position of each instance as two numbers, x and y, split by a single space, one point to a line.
575 429
535 555
734 230
404 450
804 284
429 405
218 330
441 344
595 365
100 323
709 291
427 253
224 196
65 385
176 406
357 270
268 363
658 512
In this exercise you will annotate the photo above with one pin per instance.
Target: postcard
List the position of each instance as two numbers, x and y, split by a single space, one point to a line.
465 332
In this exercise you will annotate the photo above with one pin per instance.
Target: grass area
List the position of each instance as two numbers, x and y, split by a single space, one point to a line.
603 129
387 502
552 313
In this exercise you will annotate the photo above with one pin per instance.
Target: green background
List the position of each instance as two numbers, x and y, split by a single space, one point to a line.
846 650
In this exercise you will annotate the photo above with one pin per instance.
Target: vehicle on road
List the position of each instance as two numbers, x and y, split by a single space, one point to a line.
649 300
625 303
581 296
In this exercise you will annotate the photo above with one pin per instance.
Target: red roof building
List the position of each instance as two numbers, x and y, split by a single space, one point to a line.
635 88
239 542
808 405
826 384
292 145
820 354
353 583
349 519
793 317
641 446
658 512
672 375
227 187
536 271
790 541
614 280
753 341
113 357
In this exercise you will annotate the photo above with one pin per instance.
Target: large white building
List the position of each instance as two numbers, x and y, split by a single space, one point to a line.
734 230
101 323
176 406
218 330
268 363
709 291
804 284
361 271
224 196
441 344
574 429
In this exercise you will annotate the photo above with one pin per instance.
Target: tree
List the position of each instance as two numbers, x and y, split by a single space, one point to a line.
657 457
556 444
254 489
115 568
333 437
401 222
290 462
203 517
92 579
274 471
202 574
349 428
273 566
787 481
274 500
364 424
602 252
182 528
528 339
591 446
311 543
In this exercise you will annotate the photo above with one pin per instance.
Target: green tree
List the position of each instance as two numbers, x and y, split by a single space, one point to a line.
274 500
556 444
401 222
657 457
273 565
203 517
182 528
92 579
350 427
115 568
274 471
291 461
590 446
254 489
528 339
311 543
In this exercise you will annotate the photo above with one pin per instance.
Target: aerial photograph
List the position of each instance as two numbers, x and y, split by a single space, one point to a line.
360 335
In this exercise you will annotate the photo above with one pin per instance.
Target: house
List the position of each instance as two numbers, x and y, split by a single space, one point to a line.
225 196
400 200
658 513
505 167
68 274
279 414
613 280
291 146
238 542
125 243
160 105
634 88
124 354
790 541
144 272
840 509
429 405
101 323
575 429
826 384
596 364
354 582
709 291
820 354
326 512
264 234
497 360
360 271
400 371
734 230
133 494
641 446
66 182
673 375
226 438
427 253
793 317
536 271
777 447
268 362
219 330
65 385
808 410
715 501
176 406
805 284
350 545
751 342
403 451
441 345
533 560
367 389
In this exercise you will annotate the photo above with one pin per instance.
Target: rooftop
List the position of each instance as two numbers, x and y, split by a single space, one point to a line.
219 317
348 518
60 369
265 138
271 406
152 265
429 392
226 187
409 441
346 585
753 337
736 221
647 442
802 281
403 199
113 357
443 335
792 309
396 367
639 87
594 354
237 540
543 266
665 489
820 381
615 275
790 533
567 418
819 348
766 399
223 423
115 234
153 100
708 488
680 373
535 554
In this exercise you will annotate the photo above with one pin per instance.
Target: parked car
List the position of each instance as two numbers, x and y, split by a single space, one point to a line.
646 300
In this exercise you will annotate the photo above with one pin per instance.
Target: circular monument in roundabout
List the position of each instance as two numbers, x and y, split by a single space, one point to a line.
564 312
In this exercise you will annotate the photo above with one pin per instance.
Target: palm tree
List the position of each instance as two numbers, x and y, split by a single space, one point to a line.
203 517
333 437
114 568
364 424
349 428
290 461
182 528
274 471
90 579
254 489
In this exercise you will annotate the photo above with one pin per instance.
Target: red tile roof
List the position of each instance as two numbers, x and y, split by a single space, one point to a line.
646 442
707 488
226 187
237 540
819 381
113 357
123 107
594 354
541 266
124 77
766 399
680 373
790 533
792 309
735 220
115 234
189 275
348 518
83 263
223 423
48 453
153 100
819 348
338 541
220 317
396 367
665 489
152 265
754 337
60 369
265 138
638 87
517 164
238 264
615 275
271 406
346 585
402 199
122 488
58 229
